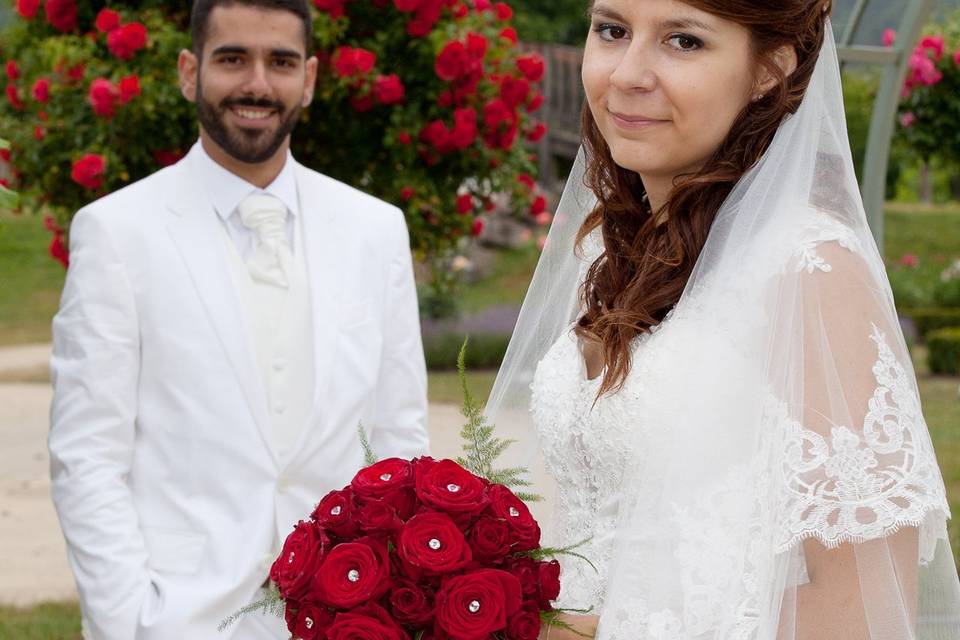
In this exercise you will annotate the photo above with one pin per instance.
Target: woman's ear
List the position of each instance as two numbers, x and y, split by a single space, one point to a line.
785 58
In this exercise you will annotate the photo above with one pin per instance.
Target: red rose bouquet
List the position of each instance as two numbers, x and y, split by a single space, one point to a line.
420 549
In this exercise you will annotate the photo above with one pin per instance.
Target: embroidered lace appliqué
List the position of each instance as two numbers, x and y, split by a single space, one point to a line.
822 229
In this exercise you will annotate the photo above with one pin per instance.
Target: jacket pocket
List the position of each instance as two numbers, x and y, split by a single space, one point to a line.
170 551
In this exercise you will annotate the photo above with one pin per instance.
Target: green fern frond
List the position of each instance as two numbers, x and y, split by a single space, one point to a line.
273 604
552 619
369 457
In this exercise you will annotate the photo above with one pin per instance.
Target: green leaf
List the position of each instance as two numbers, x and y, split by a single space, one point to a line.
273 604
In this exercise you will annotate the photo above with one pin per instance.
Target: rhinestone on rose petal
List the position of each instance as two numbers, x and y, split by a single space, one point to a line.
353 575
514 512
308 623
474 606
434 544
290 557
453 488
335 511
386 477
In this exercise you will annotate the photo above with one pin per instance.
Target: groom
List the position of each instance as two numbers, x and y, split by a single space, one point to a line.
226 325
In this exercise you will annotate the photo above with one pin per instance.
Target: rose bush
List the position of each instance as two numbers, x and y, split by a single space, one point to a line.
428 104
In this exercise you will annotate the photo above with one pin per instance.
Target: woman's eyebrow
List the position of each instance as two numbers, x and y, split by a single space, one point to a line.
685 22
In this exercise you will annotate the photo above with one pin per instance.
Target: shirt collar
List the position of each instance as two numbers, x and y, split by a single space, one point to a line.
227 189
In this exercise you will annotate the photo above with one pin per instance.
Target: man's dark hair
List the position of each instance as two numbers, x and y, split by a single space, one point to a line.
200 18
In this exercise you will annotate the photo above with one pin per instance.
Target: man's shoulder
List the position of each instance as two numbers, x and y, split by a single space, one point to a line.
323 192
141 196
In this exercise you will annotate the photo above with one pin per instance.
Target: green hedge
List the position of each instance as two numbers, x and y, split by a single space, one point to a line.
485 351
932 318
944 345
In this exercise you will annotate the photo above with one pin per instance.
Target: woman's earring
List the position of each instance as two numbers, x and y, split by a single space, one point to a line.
758 97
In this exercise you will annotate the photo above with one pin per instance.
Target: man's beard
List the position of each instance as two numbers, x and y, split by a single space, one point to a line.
251 146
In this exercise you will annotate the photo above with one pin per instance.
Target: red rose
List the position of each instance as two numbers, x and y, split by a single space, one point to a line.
349 62
62 14
353 573
536 134
437 135
309 621
165 157
410 604
107 20
404 138
129 88
474 605
509 34
432 542
549 576
512 510
450 488
303 551
490 540
406 6
58 250
382 478
525 623
335 513
27 8
13 97
370 622
389 89
535 102
419 28
39 133
477 46
460 11
89 170
514 91
363 103
464 128
5 155
76 72
13 71
406 193
527 571
452 61
503 10
531 66
477 228
41 90
481 5
378 518
539 206
334 8
125 41
527 180
465 203
103 97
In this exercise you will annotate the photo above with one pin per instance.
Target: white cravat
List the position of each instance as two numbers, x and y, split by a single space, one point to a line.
266 216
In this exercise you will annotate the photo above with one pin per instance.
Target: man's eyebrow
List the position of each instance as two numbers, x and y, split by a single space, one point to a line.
231 49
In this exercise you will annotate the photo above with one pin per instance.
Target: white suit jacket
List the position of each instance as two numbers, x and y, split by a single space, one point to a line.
168 490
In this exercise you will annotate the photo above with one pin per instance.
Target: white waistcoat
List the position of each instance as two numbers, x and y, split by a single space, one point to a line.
281 326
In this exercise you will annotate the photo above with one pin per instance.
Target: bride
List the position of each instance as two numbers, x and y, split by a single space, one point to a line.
710 353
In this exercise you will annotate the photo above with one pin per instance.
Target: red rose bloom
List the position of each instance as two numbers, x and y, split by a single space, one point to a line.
58 250
509 34
464 203
13 97
460 11
525 623
527 180
378 518
76 72
363 103
539 206
125 41
410 604
103 97
406 193
474 605
432 543
27 9
451 61
382 478
536 134
350 63
41 90
490 540
165 157
129 88
406 6
88 171
511 509
303 551
481 5
531 66
353 573
535 102
334 8
62 14
437 135
549 575
389 89
107 20
503 10
477 228
13 71
370 622
514 91
527 571
464 128
309 621
477 46
404 138
335 513
448 487
39 133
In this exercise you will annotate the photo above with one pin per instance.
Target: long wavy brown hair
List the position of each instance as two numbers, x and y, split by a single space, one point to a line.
646 262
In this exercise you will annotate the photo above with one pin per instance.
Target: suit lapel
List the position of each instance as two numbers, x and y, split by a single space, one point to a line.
197 232
319 206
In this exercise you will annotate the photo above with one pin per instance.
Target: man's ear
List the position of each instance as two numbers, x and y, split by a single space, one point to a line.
310 81
785 58
187 65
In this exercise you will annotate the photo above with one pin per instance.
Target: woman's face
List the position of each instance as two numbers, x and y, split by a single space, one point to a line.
665 82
